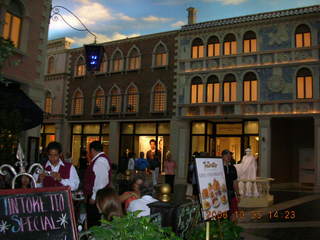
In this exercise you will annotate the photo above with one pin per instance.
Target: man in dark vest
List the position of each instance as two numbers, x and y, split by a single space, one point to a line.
57 172
97 176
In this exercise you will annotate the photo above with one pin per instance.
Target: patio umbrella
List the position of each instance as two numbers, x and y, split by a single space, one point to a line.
14 100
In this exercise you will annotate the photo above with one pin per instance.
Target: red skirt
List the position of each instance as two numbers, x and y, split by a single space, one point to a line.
234 205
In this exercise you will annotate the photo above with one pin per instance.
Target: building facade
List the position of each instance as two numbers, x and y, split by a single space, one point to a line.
128 102
55 98
252 81
26 24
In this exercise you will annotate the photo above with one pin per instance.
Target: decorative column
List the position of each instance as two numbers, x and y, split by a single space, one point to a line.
179 146
114 137
265 147
317 150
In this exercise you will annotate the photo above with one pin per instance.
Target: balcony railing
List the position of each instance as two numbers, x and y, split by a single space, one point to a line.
260 58
285 107
255 193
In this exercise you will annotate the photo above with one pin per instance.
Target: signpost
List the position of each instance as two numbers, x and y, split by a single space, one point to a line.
213 193
32 214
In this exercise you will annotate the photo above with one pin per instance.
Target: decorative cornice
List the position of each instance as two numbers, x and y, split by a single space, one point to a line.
253 18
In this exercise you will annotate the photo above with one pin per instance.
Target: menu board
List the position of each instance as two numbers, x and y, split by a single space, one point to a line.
32 214
212 187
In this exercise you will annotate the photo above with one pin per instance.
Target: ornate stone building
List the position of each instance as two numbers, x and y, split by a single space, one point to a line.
251 81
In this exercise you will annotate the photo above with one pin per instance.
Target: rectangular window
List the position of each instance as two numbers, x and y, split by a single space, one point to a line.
99 105
253 45
193 93
213 92
81 70
233 91
233 47
216 94
246 46
246 91
197 51
254 90
307 39
210 92
11 29
309 87
78 106
299 42
226 92
134 63
227 50
230 91
115 104
161 59
117 65
200 93
300 87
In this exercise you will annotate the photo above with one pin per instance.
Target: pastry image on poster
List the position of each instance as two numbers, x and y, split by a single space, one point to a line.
212 185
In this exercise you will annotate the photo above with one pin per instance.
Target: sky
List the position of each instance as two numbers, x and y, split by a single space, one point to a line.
117 19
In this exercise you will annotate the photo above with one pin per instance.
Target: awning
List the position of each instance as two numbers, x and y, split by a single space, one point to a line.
14 100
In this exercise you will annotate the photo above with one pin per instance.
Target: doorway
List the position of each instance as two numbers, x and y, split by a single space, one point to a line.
233 144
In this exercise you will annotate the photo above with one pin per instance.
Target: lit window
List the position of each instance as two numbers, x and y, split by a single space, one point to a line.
48 103
99 102
12 24
213 89
80 67
103 65
132 99
115 103
159 98
196 90
50 65
249 42
229 88
303 36
304 84
197 48
117 62
250 87
77 106
134 60
161 56
230 45
213 47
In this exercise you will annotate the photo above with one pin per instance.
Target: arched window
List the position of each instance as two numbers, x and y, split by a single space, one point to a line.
303 36
196 90
48 102
213 48
117 62
159 100
99 100
132 99
161 56
213 89
134 60
115 100
229 88
249 42
197 48
13 22
104 64
230 44
50 65
304 84
250 87
77 103
80 67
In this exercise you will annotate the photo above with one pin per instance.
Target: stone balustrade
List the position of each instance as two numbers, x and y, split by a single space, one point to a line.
255 193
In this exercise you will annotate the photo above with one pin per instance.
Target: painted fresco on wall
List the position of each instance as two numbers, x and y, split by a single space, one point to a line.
275 37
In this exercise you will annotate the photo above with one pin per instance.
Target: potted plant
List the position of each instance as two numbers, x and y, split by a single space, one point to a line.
131 227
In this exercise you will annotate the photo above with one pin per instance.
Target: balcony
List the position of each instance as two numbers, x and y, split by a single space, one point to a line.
236 109
261 58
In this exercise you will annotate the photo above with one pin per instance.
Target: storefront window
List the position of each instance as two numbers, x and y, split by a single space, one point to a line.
198 128
164 128
47 135
198 143
233 144
77 128
91 128
105 128
127 128
209 128
229 128
145 128
251 127
76 148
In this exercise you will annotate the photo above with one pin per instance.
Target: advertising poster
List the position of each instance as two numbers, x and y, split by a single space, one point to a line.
212 186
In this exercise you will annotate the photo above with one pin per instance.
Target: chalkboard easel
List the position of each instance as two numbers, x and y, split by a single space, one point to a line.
37 213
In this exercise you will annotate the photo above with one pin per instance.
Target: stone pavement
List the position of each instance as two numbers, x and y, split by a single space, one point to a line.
297 217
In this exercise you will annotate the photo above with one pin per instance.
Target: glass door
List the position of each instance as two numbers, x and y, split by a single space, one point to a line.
233 144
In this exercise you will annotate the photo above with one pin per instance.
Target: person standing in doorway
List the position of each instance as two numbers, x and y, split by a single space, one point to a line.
153 157
97 176
232 184
169 169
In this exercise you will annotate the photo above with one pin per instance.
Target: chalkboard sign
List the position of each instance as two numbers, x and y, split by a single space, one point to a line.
32 214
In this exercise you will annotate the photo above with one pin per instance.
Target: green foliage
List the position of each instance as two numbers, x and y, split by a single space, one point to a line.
219 230
131 227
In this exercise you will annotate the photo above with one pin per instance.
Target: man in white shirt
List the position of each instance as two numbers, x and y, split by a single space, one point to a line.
57 173
97 176
142 203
